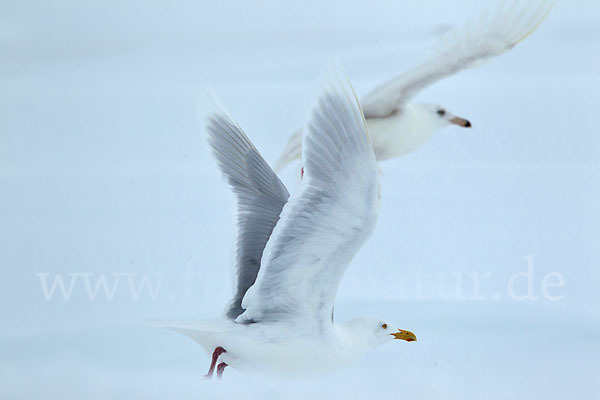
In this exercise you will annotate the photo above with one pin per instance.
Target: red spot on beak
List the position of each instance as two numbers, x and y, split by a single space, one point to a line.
302 173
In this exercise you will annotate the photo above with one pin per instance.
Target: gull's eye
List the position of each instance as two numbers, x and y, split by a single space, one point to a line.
441 112
383 326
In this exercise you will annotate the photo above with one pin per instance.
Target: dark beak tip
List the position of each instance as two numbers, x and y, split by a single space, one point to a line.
467 124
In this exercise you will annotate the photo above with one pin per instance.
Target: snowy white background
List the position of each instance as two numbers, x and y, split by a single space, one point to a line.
103 170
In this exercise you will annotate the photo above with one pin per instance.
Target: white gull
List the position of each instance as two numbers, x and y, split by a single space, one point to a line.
398 127
292 254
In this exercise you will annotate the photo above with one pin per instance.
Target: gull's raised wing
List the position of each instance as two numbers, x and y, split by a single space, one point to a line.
259 193
464 46
324 225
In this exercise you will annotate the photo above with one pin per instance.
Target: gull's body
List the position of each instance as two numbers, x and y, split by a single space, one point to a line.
291 254
398 127
282 350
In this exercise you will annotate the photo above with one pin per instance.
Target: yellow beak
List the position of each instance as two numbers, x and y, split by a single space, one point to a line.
404 335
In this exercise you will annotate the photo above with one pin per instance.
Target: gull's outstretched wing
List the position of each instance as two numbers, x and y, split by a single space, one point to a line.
323 226
259 192
462 47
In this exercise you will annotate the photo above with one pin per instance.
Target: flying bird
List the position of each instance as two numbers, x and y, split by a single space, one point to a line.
398 127
291 252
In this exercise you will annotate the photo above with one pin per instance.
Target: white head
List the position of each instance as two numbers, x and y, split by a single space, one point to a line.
439 116
366 332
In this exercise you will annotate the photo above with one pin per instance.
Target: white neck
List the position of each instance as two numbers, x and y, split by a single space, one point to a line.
404 132
352 341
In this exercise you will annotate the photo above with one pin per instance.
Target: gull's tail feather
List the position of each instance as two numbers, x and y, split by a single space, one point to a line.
205 332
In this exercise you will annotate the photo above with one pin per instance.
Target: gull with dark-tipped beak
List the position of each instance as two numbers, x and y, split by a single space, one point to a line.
398 127
291 252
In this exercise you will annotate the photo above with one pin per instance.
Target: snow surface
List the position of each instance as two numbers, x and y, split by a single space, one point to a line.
103 170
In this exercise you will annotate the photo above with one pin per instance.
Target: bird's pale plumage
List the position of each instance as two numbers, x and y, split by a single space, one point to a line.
292 254
462 47
398 127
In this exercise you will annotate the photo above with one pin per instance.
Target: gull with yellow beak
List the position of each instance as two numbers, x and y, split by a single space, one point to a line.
291 253
398 127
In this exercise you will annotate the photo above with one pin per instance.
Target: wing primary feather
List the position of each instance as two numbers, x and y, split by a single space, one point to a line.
464 46
260 195
324 225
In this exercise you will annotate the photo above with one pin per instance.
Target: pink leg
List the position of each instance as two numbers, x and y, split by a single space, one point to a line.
302 173
215 356
220 369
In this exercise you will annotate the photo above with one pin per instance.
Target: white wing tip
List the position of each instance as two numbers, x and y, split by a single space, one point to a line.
333 78
209 103
210 107
505 26
540 15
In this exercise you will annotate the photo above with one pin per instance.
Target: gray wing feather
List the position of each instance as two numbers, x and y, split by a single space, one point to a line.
260 198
